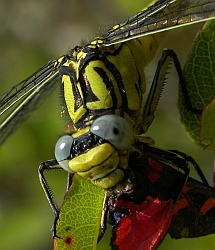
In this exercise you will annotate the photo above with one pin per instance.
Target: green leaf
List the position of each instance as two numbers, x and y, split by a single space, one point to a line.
80 215
199 76
207 130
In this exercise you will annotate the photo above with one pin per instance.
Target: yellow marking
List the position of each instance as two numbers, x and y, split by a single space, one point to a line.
116 26
71 100
97 41
57 64
126 65
92 158
81 132
99 88
103 169
111 180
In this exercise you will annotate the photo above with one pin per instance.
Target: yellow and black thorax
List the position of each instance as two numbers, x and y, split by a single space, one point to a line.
99 80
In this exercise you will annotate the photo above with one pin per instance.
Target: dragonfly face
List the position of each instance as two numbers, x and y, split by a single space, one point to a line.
98 153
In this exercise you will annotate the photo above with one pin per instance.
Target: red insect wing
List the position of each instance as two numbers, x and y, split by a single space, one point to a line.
145 226
208 205
155 164
152 176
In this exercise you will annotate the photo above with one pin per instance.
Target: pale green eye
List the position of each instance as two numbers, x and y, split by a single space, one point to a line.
62 151
115 130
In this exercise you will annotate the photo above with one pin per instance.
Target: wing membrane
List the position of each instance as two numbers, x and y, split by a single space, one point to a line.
162 16
18 91
25 97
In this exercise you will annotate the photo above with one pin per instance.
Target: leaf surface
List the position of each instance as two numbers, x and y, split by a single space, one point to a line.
199 76
80 215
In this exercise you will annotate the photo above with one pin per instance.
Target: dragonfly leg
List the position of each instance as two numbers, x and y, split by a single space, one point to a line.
69 181
194 164
175 160
103 225
157 87
49 165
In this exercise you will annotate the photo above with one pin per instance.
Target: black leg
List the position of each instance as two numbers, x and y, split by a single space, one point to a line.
172 159
104 215
49 165
69 181
157 87
194 164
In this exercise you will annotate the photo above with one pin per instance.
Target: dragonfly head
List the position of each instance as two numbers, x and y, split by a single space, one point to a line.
98 153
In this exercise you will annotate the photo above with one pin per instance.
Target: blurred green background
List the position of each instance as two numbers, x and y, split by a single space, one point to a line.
31 33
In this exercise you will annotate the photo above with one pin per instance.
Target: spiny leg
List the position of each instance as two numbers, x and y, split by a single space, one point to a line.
157 87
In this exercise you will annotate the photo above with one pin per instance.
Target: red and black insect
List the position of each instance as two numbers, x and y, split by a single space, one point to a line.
164 200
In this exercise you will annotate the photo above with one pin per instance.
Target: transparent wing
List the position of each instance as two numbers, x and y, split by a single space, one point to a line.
25 97
162 16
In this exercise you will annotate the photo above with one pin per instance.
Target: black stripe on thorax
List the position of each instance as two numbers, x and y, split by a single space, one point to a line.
101 72
117 75
78 101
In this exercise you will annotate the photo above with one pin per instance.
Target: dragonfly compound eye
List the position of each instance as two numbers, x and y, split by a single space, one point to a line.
115 130
62 151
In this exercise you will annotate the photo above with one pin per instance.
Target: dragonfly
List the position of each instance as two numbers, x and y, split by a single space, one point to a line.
28 94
